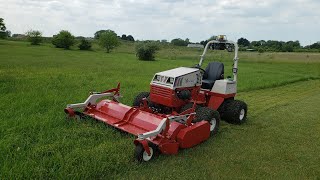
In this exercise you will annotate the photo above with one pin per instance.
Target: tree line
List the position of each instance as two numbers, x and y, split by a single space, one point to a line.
261 46
276 46
108 40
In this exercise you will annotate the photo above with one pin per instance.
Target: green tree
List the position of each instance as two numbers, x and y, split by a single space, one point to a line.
8 33
98 33
34 36
84 44
108 40
315 45
124 37
260 50
255 43
63 40
3 28
287 48
179 42
2 25
130 38
243 42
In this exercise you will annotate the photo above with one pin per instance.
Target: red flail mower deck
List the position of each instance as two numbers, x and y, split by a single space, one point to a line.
154 131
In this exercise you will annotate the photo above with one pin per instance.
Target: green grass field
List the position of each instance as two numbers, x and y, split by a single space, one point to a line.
280 140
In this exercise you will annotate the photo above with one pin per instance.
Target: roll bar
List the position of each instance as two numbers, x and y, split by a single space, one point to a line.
235 59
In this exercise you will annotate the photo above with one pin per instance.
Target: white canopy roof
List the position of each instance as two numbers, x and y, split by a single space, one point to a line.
177 72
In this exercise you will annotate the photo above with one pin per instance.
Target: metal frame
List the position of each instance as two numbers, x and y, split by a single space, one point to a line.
92 99
235 59
163 124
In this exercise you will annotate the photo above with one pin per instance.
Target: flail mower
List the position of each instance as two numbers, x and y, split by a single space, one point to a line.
182 109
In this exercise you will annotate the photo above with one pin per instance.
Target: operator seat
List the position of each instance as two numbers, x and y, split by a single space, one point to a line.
213 72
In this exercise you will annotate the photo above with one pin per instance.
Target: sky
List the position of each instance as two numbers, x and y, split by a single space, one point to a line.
168 19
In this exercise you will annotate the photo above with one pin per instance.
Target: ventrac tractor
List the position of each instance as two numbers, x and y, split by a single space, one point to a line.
182 109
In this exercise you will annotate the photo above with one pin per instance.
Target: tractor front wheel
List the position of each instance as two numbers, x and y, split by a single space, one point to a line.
235 111
137 102
210 115
188 106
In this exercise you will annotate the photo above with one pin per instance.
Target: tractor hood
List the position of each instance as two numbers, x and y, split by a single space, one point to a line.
178 78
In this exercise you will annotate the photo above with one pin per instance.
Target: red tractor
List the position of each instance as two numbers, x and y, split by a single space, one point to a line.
182 109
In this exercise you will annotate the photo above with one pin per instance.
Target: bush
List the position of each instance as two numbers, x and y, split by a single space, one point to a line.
3 35
108 40
242 48
63 40
180 42
84 44
261 50
146 51
34 36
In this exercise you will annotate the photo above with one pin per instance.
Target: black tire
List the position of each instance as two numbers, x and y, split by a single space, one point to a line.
141 156
223 106
210 115
77 116
137 102
188 106
235 112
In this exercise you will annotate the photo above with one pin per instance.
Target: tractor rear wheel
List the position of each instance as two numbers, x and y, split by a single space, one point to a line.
235 112
137 102
210 115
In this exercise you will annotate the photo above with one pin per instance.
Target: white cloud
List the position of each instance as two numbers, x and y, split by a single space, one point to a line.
165 19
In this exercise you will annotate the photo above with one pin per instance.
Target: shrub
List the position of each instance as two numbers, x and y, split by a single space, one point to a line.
3 35
130 38
98 33
84 44
63 40
108 40
180 42
146 51
261 50
34 36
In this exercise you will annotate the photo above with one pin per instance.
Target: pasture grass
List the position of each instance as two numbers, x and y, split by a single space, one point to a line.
280 140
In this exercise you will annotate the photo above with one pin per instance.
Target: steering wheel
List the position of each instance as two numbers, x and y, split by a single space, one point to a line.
203 72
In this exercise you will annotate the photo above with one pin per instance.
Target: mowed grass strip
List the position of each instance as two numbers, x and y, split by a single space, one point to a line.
37 142
281 141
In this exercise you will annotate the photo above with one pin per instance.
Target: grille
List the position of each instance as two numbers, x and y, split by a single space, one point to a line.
161 91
